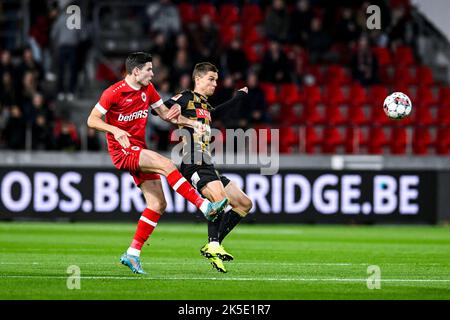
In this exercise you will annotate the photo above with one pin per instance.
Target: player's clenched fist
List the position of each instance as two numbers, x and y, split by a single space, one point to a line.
122 137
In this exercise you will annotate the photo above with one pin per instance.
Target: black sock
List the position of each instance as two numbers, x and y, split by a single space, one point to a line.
213 229
229 220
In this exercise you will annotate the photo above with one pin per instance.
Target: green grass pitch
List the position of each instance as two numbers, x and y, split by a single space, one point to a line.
273 262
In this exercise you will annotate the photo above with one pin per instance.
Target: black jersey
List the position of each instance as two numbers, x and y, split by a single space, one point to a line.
194 106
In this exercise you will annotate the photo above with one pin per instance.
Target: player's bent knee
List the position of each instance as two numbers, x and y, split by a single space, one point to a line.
158 206
245 204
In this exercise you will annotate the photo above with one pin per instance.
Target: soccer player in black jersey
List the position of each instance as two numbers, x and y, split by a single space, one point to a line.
197 165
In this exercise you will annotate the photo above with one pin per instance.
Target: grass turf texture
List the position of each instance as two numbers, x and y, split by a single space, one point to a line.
271 262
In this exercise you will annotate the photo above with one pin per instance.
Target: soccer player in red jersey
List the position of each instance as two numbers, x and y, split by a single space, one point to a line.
125 107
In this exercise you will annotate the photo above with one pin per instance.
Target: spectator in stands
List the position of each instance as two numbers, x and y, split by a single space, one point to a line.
66 42
256 101
15 130
28 63
161 47
206 40
93 143
42 135
300 22
164 18
347 30
180 66
6 64
275 65
161 71
364 63
29 88
401 30
184 83
224 92
67 138
234 60
277 21
319 42
8 92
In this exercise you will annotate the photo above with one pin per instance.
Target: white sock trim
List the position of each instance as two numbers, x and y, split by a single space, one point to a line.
133 252
179 183
214 244
146 220
204 206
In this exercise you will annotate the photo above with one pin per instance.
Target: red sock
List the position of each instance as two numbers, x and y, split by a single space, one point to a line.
146 224
184 188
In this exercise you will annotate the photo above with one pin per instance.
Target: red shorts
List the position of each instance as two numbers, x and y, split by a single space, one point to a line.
128 159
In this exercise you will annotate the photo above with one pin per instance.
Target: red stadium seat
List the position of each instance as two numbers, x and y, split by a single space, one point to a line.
421 140
251 14
403 76
377 140
312 115
444 96
356 116
290 94
404 56
423 115
187 13
316 72
357 95
442 142
207 9
398 140
383 56
354 140
251 35
334 96
333 139
425 76
228 33
338 75
425 96
228 14
443 115
334 115
313 95
311 139
270 93
252 53
289 139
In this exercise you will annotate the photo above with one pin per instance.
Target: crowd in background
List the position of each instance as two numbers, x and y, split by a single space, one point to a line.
289 36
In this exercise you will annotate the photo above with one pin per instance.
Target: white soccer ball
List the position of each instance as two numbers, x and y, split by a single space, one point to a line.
397 105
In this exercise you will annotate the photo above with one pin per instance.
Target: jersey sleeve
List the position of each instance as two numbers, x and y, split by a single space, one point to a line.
106 101
155 100
181 99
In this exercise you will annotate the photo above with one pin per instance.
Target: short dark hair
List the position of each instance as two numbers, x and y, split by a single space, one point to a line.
202 68
137 59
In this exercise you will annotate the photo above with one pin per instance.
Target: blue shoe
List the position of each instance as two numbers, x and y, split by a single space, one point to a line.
133 263
215 208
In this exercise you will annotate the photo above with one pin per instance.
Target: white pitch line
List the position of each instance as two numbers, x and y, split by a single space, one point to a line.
223 279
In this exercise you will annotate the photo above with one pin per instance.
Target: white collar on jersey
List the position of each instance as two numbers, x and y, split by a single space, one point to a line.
133 87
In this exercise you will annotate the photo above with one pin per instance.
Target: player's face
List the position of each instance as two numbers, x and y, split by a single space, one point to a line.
145 74
208 83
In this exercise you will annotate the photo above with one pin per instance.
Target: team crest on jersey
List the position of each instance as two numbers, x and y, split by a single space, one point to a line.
143 96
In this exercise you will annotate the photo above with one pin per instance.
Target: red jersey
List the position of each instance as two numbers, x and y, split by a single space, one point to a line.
127 109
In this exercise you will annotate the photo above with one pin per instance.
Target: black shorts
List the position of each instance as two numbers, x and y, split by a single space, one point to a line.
200 175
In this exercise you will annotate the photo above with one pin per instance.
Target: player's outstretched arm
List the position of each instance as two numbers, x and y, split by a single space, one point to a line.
95 121
236 101
173 115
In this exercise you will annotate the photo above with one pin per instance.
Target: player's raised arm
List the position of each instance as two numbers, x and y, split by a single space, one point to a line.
95 121
236 101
